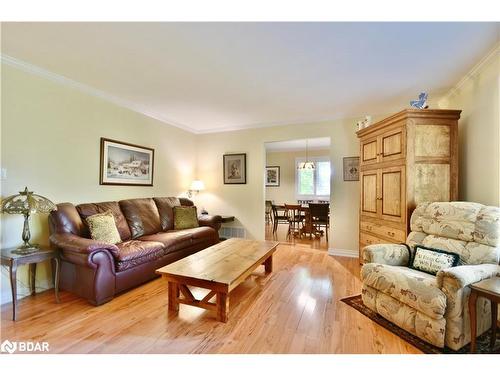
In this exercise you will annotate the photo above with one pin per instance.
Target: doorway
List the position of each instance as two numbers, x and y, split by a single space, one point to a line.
298 191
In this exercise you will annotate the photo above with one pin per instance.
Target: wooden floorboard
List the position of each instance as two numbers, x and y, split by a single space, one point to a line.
295 309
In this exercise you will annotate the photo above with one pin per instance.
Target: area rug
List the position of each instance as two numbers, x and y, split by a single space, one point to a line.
482 343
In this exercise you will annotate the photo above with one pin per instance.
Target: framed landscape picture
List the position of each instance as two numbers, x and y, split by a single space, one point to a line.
125 164
351 168
235 168
273 176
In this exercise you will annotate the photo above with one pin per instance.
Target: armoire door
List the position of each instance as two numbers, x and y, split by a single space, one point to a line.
369 151
369 188
393 145
392 194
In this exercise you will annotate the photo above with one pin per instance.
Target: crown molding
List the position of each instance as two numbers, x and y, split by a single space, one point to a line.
67 82
475 69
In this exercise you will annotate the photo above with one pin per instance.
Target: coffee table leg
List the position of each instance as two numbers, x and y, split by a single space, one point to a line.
473 320
494 323
173 296
268 264
222 306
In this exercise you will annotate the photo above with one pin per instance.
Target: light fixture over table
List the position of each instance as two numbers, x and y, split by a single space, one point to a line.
307 164
26 203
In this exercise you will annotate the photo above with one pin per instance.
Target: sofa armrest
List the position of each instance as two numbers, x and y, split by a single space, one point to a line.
462 276
213 221
391 254
75 244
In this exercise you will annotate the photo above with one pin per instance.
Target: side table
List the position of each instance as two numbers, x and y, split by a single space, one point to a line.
227 219
490 289
13 260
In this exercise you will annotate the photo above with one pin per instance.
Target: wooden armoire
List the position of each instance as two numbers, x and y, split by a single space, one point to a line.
405 159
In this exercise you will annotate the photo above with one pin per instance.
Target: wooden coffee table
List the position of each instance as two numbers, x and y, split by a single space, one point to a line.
220 269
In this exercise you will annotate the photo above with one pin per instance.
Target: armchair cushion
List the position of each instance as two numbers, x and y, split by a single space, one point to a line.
391 254
411 287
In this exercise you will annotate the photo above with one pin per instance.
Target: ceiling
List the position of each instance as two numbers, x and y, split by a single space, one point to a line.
298 145
208 77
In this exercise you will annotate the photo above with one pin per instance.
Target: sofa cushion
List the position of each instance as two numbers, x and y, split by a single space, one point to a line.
132 253
88 209
142 216
411 287
185 218
166 210
102 228
180 239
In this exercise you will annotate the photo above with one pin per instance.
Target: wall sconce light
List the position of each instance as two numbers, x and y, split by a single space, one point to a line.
195 188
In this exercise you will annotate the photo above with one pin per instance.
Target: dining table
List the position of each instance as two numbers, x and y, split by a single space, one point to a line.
308 226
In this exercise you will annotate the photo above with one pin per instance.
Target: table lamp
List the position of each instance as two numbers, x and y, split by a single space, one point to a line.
26 203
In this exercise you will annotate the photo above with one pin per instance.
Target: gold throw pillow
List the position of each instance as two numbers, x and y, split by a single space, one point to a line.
103 228
185 217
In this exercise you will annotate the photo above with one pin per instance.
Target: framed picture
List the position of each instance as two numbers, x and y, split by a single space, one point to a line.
351 168
125 164
273 176
235 168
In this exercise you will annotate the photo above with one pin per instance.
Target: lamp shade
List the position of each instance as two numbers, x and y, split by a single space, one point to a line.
306 165
26 203
197 185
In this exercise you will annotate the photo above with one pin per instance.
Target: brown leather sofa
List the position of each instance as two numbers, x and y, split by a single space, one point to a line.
97 271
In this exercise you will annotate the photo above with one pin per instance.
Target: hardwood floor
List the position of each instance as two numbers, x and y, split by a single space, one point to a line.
314 242
296 309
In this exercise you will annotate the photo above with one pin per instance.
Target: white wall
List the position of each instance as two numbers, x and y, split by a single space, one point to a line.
51 143
477 95
285 193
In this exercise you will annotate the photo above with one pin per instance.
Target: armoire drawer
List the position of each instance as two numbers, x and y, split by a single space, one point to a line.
366 239
396 235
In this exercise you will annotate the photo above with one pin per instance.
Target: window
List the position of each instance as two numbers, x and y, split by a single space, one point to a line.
313 183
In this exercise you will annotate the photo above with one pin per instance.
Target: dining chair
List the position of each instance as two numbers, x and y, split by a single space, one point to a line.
295 218
279 216
320 215
269 212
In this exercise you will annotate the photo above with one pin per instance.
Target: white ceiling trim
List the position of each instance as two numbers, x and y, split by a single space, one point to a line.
68 82
64 81
475 69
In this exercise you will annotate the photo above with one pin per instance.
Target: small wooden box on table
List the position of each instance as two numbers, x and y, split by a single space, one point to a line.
220 269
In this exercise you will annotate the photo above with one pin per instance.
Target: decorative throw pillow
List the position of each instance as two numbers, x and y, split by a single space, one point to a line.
102 228
432 261
185 217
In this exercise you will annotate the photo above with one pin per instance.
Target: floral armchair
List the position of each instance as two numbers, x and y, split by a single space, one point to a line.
434 308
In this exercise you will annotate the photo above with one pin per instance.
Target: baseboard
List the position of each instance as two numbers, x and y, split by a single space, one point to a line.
343 253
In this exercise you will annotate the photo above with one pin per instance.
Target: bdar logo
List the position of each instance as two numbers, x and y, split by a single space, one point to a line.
8 347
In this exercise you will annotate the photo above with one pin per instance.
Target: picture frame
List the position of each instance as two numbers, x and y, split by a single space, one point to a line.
124 163
272 176
235 169
351 168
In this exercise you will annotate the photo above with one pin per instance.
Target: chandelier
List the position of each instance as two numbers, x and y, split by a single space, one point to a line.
306 164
